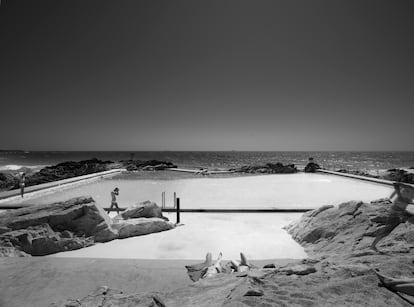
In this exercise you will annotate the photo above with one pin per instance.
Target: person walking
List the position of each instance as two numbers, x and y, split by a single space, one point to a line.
22 183
114 194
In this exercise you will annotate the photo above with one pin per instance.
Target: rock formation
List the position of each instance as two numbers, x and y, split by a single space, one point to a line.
269 168
150 165
141 226
146 209
67 170
10 180
45 229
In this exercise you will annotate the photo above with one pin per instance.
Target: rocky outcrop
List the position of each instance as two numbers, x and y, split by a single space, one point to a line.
146 209
150 165
141 226
67 170
350 229
46 229
269 168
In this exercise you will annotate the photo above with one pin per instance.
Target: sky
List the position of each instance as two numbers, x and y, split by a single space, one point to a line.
207 75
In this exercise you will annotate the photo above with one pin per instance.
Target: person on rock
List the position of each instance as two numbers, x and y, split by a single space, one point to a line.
311 167
404 196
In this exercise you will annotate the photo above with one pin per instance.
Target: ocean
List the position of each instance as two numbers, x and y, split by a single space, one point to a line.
351 160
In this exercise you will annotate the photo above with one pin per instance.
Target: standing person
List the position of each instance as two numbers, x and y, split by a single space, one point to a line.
398 213
114 194
22 183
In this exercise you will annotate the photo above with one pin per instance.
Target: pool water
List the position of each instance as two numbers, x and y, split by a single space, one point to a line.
266 191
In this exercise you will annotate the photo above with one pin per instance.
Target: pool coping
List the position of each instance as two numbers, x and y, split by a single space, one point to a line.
10 195
363 178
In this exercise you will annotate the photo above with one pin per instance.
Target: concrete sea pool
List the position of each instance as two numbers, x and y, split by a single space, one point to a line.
258 235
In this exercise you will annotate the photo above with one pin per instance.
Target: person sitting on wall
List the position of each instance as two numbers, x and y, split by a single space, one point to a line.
311 167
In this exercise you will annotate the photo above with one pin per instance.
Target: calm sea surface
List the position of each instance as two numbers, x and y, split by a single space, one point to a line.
369 161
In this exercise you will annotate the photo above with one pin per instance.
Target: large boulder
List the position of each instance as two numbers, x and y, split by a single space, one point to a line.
141 226
51 228
350 228
146 209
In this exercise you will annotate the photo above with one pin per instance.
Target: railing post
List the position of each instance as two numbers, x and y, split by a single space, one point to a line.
178 210
175 199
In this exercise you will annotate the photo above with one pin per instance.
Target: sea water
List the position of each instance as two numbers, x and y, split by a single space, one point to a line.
11 160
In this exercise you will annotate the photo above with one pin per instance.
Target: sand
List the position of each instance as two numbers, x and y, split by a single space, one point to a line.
40 281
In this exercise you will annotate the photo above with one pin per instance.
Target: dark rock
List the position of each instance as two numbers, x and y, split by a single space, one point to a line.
65 170
298 269
8 181
269 266
269 168
254 292
135 165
